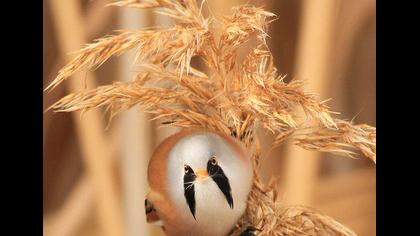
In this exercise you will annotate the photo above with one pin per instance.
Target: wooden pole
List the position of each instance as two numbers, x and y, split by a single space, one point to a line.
136 138
96 156
74 212
163 132
97 17
302 166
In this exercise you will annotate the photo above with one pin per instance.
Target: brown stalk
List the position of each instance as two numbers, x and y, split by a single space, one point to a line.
235 97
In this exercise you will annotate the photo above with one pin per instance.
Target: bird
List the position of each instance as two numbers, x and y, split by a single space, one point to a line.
199 183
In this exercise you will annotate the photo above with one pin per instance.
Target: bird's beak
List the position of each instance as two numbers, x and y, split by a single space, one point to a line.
201 174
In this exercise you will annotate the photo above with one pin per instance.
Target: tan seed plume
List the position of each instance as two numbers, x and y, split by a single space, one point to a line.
232 96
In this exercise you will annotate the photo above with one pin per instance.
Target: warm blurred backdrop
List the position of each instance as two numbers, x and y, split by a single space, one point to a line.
95 176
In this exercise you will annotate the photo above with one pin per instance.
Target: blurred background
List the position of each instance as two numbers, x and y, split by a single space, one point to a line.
94 175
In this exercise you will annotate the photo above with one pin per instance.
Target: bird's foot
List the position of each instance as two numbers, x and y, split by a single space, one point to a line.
249 231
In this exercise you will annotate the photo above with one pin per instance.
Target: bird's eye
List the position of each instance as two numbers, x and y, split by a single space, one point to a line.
186 169
213 161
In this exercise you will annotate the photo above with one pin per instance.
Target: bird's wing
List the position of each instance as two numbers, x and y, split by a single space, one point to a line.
151 215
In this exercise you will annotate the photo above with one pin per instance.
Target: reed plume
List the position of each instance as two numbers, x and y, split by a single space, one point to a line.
232 95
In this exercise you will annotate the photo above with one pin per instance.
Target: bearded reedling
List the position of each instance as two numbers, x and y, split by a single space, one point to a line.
200 181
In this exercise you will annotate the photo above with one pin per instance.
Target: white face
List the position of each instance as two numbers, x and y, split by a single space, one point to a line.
213 210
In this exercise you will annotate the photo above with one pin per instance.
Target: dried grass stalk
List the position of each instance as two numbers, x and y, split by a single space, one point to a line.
94 55
271 218
340 141
234 97
184 11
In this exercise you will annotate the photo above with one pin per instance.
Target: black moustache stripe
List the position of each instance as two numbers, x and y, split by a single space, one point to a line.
189 191
219 177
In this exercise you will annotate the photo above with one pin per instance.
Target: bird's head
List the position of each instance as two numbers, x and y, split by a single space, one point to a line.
207 171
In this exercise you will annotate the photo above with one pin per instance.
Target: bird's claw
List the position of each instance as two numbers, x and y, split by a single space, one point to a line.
249 231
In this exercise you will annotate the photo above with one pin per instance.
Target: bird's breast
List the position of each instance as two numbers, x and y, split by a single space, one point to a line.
214 216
